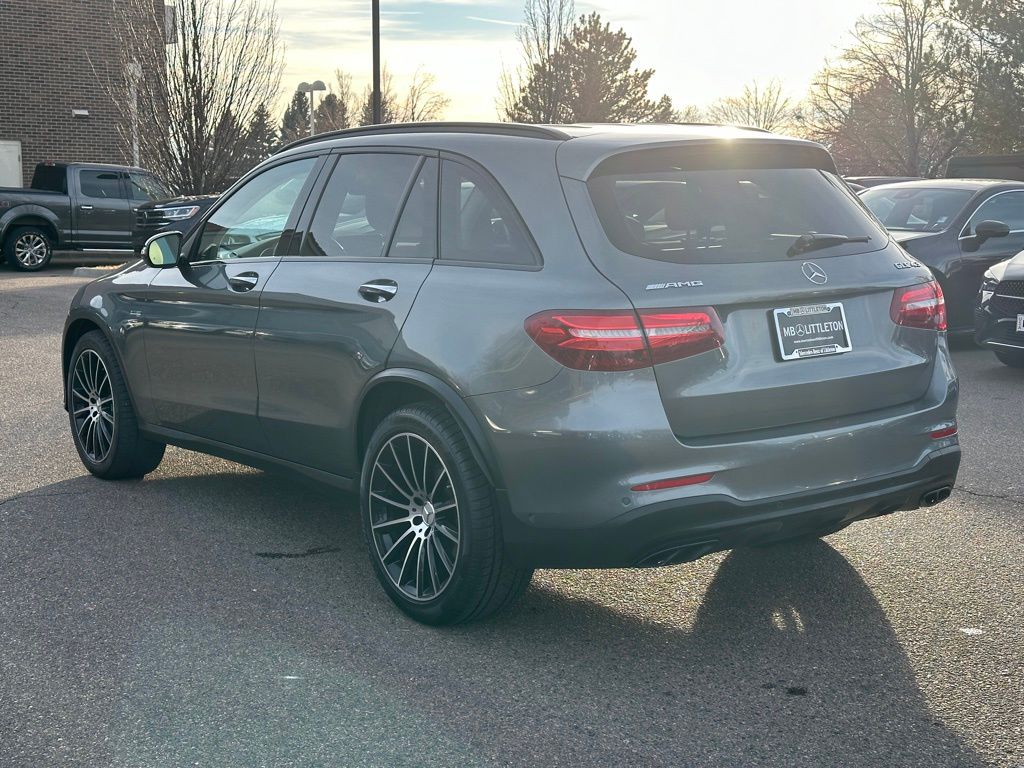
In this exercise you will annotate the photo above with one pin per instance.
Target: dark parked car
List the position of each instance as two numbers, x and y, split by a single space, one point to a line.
958 228
534 346
1000 314
178 214
73 207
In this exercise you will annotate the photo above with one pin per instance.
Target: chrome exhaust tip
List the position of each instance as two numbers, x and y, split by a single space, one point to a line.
933 497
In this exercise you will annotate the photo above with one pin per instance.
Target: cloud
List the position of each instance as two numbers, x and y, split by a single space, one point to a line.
495 21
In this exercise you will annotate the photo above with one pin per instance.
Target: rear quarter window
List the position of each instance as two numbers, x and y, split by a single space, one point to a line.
725 204
479 224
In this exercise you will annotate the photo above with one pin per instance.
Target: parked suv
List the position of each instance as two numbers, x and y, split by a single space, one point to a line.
534 346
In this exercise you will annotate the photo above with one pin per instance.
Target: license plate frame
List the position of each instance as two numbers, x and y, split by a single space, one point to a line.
808 341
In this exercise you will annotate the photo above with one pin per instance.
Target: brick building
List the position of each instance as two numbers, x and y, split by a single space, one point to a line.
58 61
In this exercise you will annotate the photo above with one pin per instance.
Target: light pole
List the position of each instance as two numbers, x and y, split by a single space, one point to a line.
134 77
377 117
311 88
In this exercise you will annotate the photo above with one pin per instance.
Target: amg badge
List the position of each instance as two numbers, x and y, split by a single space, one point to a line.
680 284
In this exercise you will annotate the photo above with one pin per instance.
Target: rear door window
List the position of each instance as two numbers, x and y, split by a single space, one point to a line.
416 234
479 222
725 205
101 185
359 205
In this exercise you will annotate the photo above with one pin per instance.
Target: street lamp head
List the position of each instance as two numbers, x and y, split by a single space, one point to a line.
318 86
304 87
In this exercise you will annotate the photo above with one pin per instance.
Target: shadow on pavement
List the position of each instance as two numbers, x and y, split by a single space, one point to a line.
206 649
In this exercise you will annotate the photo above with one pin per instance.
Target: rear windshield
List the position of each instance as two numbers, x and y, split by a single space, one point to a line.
916 209
726 205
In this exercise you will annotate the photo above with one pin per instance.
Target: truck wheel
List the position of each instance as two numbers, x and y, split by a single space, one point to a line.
28 249
431 527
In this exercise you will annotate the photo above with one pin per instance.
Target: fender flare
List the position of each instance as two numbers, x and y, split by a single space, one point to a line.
74 315
11 216
463 415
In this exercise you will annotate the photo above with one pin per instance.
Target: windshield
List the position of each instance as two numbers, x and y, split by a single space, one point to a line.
145 186
916 209
721 215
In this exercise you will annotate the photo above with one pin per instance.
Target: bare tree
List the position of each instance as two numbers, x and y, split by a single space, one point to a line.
900 98
690 113
221 61
759 107
422 99
546 23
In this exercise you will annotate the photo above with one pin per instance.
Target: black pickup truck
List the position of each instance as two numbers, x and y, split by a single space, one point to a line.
85 207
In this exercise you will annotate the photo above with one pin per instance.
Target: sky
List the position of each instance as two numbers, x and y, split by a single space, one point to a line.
701 50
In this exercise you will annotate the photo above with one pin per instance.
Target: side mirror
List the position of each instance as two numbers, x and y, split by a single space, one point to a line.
988 229
162 250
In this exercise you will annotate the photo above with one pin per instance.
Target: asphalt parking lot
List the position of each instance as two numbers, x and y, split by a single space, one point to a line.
214 615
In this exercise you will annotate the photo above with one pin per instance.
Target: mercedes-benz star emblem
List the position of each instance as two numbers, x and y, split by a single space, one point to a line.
814 273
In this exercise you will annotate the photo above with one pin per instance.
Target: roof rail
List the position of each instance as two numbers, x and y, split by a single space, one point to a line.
502 129
696 124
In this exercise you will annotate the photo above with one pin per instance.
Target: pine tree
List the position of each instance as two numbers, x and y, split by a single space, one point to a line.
592 71
389 112
295 123
331 114
261 137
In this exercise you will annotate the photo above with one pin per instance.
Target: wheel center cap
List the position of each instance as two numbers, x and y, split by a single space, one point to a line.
428 513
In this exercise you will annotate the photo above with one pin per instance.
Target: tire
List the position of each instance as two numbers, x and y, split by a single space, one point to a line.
28 249
104 426
412 546
1011 357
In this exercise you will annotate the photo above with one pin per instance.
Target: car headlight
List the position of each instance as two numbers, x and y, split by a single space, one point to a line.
177 214
988 287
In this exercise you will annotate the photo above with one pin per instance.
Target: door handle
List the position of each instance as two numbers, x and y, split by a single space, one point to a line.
379 291
85 207
243 281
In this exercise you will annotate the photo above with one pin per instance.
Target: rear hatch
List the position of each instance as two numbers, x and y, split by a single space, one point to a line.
806 326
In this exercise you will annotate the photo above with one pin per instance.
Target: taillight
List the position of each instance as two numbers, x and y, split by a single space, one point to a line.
919 306
621 340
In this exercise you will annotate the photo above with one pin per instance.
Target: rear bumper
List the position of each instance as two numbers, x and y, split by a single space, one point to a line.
686 529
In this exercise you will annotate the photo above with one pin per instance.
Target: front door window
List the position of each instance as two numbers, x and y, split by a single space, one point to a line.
251 222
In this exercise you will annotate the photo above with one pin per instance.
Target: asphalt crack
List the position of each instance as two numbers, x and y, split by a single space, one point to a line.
1001 496
289 555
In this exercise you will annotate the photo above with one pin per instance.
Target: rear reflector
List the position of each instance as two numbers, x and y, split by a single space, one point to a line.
949 431
674 482
919 306
621 340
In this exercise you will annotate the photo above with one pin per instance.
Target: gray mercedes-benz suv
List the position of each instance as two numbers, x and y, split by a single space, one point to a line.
534 346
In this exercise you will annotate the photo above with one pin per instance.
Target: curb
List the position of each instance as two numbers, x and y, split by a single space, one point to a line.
95 271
